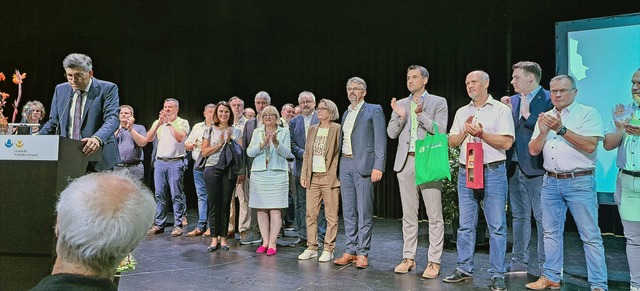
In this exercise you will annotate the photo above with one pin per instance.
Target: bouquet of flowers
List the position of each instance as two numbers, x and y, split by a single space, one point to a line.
17 79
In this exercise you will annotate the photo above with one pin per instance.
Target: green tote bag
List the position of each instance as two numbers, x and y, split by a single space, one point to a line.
432 158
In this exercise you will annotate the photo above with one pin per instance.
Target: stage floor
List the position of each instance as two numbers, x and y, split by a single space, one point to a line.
182 263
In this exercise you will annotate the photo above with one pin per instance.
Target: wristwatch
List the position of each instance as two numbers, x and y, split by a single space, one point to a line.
562 130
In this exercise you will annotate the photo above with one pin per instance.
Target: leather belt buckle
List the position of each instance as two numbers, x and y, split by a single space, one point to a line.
347 156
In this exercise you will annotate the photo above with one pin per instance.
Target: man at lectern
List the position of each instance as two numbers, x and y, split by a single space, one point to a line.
86 109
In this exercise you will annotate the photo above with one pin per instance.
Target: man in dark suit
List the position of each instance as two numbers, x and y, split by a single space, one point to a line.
298 127
364 154
525 171
412 118
86 109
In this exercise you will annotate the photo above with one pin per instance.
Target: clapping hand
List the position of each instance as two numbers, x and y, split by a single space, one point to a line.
399 110
507 101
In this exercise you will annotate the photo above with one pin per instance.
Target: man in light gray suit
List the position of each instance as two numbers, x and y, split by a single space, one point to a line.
411 119
364 147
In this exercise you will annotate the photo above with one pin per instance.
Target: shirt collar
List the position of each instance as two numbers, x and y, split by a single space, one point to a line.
490 101
357 106
86 89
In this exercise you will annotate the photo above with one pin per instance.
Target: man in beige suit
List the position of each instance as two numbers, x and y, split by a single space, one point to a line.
411 119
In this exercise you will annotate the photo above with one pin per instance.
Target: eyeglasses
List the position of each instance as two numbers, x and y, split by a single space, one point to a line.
561 91
76 76
322 108
306 102
261 103
269 116
36 110
354 89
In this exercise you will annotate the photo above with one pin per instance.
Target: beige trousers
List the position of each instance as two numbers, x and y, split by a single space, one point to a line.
432 197
319 191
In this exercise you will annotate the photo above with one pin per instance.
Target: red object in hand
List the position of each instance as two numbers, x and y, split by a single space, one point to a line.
475 165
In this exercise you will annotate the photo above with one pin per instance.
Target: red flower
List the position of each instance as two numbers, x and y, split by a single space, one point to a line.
2 77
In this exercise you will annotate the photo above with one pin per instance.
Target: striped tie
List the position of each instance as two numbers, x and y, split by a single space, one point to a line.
77 117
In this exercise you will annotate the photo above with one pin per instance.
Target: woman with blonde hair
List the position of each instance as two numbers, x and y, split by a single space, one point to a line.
269 183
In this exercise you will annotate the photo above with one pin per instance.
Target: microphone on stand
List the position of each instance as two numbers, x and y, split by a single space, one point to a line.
57 132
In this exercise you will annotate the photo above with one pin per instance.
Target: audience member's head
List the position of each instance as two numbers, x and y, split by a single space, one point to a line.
101 218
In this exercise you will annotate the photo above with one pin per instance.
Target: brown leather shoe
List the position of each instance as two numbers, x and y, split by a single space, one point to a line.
543 283
195 232
155 230
231 234
432 271
345 259
362 262
207 233
405 266
177 231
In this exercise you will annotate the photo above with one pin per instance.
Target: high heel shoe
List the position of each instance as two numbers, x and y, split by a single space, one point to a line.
214 248
224 248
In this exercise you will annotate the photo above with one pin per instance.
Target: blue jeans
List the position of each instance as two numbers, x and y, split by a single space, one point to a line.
524 198
301 213
201 191
494 199
169 175
578 195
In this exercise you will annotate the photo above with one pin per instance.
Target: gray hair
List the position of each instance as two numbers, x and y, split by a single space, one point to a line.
358 81
423 70
306 93
27 108
531 68
73 61
263 95
174 101
334 114
210 105
483 74
101 218
128 107
236 98
287 104
567 77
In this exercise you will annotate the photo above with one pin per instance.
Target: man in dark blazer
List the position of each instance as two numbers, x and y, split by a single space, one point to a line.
412 118
298 127
98 107
364 154
525 171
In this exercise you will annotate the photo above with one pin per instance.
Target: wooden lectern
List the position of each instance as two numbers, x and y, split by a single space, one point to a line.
34 170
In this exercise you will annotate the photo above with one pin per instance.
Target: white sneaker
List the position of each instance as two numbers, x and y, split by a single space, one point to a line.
308 254
326 257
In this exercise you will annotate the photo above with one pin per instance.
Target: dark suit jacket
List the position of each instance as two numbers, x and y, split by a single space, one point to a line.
369 139
298 138
247 133
99 118
530 165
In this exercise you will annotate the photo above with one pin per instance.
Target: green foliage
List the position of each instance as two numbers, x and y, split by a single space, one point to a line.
450 208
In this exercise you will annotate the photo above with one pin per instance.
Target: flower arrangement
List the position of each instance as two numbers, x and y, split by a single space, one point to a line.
17 79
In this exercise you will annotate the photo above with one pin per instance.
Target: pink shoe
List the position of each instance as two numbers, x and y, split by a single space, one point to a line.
271 252
261 250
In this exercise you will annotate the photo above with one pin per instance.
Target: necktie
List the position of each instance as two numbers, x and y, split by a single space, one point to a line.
77 116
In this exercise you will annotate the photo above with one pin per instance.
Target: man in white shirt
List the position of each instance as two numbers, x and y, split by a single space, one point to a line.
567 137
488 121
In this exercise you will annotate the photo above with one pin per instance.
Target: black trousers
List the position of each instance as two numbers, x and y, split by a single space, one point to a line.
219 185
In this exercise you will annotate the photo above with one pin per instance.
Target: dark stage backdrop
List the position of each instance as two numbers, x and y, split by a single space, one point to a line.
206 51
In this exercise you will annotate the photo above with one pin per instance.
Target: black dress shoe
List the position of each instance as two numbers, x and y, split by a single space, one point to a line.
497 284
213 248
299 242
457 277
224 248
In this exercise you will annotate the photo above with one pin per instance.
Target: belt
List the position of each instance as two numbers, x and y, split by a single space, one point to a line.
631 173
347 156
411 154
491 165
132 164
569 174
169 159
494 165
